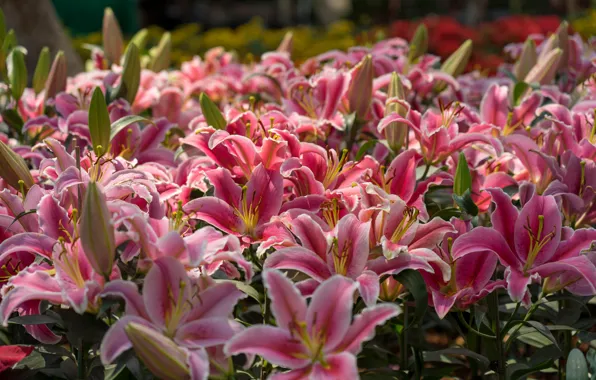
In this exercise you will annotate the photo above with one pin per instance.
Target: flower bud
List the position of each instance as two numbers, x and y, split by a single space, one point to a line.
419 43
17 73
526 61
390 289
42 70
396 132
160 55
99 123
547 46
13 169
164 358
456 63
97 232
131 75
563 38
113 43
287 43
140 38
361 87
545 69
56 82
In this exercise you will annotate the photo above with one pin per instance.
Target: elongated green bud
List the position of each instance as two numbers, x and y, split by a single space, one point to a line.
396 132
42 70
131 75
160 55
361 87
140 38
563 38
17 73
419 43
545 69
99 123
164 358
456 63
287 43
13 169
97 232
113 42
526 61
211 112
56 81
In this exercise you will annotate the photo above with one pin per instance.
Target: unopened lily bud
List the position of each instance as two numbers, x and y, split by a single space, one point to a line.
549 45
164 358
390 289
287 43
56 82
13 169
563 38
526 61
457 62
361 87
419 43
113 42
97 231
17 73
545 69
160 55
131 75
140 38
99 122
396 132
42 70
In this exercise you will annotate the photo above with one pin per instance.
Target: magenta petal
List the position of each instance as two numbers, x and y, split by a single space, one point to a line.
300 259
580 240
442 303
517 284
217 300
35 243
504 215
310 234
265 191
224 186
352 246
485 239
128 291
331 320
430 235
296 374
198 364
287 305
402 173
215 212
115 341
274 344
53 219
475 269
363 327
206 332
369 287
402 262
166 285
339 366
582 268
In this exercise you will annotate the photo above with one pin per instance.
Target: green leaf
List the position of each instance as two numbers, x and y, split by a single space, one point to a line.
42 70
466 203
519 91
124 122
369 144
463 178
160 55
577 367
99 123
12 118
2 26
483 360
17 73
521 373
211 112
415 284
34 361
246 289
533 333
131 75
34 320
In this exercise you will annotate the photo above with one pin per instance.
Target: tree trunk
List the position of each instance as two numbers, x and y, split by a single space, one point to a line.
36 25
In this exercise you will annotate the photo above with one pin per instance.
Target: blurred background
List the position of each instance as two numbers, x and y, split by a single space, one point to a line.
251 27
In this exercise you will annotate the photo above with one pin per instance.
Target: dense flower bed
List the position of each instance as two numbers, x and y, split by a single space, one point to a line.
373 213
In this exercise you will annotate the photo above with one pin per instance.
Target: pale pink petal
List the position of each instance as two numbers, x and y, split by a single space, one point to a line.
369 287
115 341
287 305
128 291
339 366
215 212
206 332
300 259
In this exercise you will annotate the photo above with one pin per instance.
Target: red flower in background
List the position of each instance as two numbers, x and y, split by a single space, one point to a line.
11 355
517 28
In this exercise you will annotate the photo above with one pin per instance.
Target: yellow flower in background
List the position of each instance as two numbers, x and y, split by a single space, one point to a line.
586 25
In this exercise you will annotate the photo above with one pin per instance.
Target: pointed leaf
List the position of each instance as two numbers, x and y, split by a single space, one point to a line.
211 112
131 75
124 122
463 178
17 73
415 284
42 70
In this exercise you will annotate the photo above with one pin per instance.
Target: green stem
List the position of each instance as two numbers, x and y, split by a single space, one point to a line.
81 362
496 324
531 311
404 340
511 319
470 328
426 169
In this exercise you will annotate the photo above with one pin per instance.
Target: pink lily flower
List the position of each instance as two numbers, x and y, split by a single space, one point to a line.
344 251
240 211
173 306
318 341
495 106
470 275
531 243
